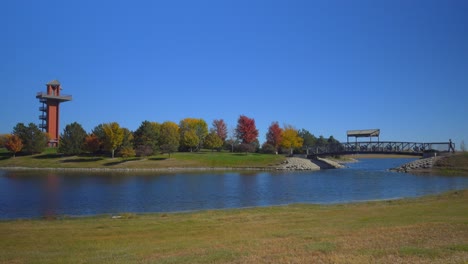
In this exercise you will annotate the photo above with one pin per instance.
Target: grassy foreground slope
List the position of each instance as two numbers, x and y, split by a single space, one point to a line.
203 159
425 230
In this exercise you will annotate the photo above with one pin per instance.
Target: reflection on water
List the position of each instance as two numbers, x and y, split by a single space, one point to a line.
25 194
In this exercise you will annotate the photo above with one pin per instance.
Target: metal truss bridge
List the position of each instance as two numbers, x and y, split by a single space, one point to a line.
380 147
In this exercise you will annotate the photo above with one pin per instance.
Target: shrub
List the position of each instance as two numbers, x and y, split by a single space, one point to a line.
144 150
268 148
244 147
168 148
127 152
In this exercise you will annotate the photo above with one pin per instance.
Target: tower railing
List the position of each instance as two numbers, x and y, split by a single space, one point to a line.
44 95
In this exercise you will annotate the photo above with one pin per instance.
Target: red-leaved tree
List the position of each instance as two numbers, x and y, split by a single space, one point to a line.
92 143
246 130
220 128
273 135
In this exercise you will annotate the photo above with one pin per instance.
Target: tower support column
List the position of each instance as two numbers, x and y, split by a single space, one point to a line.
51 101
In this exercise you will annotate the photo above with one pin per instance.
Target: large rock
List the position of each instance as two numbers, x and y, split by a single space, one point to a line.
420 164
327 164
298 164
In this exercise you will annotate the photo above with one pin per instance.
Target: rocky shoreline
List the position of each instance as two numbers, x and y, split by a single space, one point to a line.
419 165
307 164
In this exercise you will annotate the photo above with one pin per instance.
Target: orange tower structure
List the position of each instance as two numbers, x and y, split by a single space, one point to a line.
50 110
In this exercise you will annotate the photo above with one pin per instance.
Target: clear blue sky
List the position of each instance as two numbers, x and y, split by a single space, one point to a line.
326 66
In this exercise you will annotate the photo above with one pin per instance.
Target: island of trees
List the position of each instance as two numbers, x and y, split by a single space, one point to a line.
150 138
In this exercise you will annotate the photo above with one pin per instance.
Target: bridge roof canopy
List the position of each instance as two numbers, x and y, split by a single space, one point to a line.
364 133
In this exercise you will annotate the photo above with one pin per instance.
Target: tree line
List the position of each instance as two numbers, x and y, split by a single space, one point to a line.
150 138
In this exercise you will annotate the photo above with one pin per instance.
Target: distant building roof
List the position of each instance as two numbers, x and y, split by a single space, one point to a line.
364 133
53 83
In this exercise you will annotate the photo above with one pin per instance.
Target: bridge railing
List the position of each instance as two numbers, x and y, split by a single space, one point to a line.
380 147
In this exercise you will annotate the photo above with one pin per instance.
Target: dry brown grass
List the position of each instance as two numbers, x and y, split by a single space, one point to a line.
452 165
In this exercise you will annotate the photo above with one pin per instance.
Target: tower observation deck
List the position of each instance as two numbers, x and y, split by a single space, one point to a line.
50 113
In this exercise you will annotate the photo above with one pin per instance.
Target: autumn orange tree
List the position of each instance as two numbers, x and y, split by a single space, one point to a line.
291 139
273 136
92 143
98 131
13 144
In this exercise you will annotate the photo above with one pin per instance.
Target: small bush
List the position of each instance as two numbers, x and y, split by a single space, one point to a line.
268 149
245 148
143 150
127 152
168 148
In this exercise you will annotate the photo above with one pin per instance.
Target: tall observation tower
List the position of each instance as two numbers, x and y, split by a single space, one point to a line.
50 110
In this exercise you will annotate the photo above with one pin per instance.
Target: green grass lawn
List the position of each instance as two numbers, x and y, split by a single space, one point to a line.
425 230
203 159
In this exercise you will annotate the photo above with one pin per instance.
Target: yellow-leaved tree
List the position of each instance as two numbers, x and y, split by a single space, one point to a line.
213 141
169 137
290 138
113 136
190 128
190 139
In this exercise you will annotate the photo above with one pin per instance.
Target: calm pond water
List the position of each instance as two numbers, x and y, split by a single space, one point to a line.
32 194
